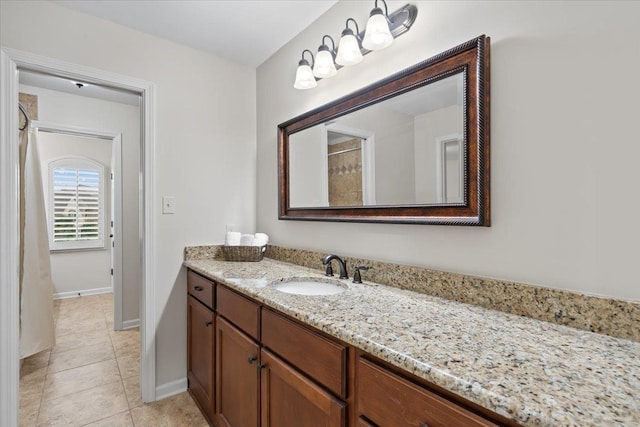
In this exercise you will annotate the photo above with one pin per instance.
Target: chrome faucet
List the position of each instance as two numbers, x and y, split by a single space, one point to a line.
343 266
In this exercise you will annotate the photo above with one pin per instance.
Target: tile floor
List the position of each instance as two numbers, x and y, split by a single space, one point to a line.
91 376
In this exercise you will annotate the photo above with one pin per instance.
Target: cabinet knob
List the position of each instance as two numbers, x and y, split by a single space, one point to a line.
424 425
252 359
261 366
198 288
209 323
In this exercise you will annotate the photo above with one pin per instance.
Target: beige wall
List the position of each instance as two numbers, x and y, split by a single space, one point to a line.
564 143
74 110
78 270
205 133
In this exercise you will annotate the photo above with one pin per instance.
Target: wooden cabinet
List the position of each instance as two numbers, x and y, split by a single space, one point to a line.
291 399
238 376
200 355
385 399
251 366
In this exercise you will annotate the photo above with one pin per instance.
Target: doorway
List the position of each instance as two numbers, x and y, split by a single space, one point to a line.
12 60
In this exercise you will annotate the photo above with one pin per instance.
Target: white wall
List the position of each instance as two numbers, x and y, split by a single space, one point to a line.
75 110
564 142
205 132
428 127
78 270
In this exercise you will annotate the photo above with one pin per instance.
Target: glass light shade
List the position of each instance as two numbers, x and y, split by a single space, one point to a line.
304 77
377 35
348 51
324 66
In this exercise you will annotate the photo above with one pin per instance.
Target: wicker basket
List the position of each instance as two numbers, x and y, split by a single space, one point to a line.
243 253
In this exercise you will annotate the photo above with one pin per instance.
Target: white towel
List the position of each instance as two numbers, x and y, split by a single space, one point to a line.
246 240
260 239
232 238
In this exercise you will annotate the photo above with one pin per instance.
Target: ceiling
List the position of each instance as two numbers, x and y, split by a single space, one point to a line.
244 31
59 84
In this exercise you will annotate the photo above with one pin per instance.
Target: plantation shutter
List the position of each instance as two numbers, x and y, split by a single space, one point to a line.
76 205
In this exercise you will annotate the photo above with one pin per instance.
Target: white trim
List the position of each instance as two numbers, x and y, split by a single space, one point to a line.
12 59
171 388
441 168
368 159
9 244
116 202
130 324
82 293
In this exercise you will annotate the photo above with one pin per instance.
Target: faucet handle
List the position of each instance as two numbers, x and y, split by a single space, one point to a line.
329 271
356 275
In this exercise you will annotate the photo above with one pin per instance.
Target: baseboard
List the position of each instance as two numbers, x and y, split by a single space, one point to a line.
130 324
171 389
82 293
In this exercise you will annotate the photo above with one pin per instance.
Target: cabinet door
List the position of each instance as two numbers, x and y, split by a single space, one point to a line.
388 400
200 354
291 399
238 377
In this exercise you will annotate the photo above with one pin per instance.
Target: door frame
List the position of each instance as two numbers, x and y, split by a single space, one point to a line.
116 206
10 61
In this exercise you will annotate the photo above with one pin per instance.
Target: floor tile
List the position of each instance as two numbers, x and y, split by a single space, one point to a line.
84 407
132 389
126 342
80 357
35 362
28 415
81 339
175 411
118 420
72 326
129 365
77 379
31 387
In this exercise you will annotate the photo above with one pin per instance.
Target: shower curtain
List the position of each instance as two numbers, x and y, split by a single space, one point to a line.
36 287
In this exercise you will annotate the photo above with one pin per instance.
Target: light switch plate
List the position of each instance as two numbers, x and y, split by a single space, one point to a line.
168 205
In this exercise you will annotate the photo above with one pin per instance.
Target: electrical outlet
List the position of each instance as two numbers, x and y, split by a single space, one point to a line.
168 205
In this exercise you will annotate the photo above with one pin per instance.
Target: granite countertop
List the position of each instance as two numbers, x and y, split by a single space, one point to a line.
534 372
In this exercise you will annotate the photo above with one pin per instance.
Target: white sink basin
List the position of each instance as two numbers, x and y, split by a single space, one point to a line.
309 287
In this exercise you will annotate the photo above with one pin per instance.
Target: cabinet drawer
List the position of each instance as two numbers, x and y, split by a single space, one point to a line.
388 400
201 288
323 360
245 314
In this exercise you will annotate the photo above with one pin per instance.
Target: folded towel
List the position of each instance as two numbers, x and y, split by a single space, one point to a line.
260 239
232 238
246 240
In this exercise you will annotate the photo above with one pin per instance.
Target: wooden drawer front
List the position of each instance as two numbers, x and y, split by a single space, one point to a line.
388 400
245 314
323 360
201 288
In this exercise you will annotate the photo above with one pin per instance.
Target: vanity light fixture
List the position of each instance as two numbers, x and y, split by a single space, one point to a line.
382 28
349 46
304 74
377 34
324 66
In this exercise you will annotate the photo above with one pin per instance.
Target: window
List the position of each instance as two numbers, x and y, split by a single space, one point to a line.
76 204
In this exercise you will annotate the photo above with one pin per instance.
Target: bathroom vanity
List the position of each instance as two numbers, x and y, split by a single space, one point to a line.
375 355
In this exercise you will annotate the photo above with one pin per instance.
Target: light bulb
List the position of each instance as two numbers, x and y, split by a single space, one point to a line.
324 67
348 49
377 35
304 76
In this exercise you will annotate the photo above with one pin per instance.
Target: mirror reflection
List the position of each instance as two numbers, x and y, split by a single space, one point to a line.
406 150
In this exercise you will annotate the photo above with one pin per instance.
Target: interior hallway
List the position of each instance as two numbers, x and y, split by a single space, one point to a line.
91 376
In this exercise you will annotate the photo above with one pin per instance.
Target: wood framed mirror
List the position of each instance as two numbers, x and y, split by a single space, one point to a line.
412 148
